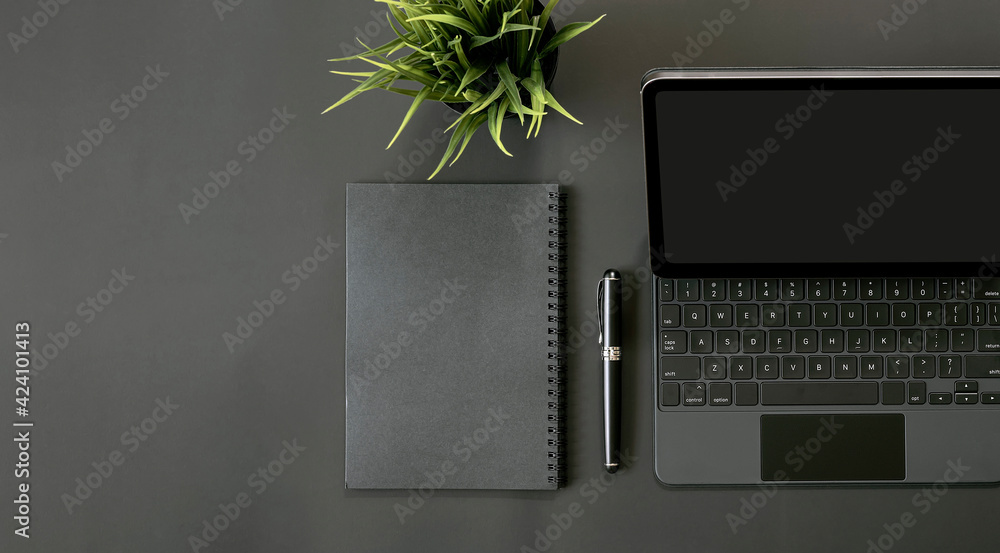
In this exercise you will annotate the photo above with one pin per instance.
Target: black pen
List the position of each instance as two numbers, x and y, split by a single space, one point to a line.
609 301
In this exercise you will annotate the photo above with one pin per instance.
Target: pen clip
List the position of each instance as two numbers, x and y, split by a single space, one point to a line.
600 312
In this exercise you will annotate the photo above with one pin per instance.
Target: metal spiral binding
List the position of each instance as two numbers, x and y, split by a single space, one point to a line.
557 357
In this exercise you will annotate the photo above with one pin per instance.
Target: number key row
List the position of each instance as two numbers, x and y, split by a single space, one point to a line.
867 289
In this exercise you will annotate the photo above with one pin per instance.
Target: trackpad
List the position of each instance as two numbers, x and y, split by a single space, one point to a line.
832 447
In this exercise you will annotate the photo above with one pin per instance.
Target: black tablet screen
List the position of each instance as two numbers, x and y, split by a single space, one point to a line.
828 171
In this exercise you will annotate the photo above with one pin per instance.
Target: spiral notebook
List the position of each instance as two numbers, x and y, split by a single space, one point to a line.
454 365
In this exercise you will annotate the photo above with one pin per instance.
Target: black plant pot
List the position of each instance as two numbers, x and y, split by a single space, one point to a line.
488 82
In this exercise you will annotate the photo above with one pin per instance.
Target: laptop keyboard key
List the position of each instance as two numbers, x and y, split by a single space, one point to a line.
916 392
929 314
956 314
741 368
805 341
753 341
852 314
943 398
695 316
871 289
986 288
673 341
701 341
963 339
991 398
680 368
687 290
897 289
946 291
825 314
819 393
767 368
772 314
904 314
923 288
715 290
670 316
897 366
923 366
833 341
767 290
966 399
793 289
950 366
741 290
793 367
779 341
911 340
666 289
818 289
819 367
694 393
747 315
845 367
858 341
845 289
963 288
982 366
720 315
966 386
871 367
878 314
798 314
715 368
893 393
936 340
885 341
746 393
670 395
989 340
720 393
727 341
977 314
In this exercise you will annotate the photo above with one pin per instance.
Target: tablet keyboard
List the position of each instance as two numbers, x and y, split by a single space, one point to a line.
724 343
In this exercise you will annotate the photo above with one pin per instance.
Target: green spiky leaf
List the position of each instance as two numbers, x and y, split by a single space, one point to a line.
565 34
510 81
495 123
452 20
477 70
417 100
551 101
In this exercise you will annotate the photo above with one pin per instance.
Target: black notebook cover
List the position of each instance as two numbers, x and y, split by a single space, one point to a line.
453 362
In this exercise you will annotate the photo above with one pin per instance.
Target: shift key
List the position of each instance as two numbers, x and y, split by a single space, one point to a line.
673 341
982 366
680 368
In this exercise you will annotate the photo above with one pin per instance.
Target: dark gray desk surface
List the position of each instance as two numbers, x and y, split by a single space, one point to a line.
162 335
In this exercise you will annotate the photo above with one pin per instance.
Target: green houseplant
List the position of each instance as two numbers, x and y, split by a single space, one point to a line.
487 59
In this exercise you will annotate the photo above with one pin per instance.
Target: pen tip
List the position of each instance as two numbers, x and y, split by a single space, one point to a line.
611 468
612 273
